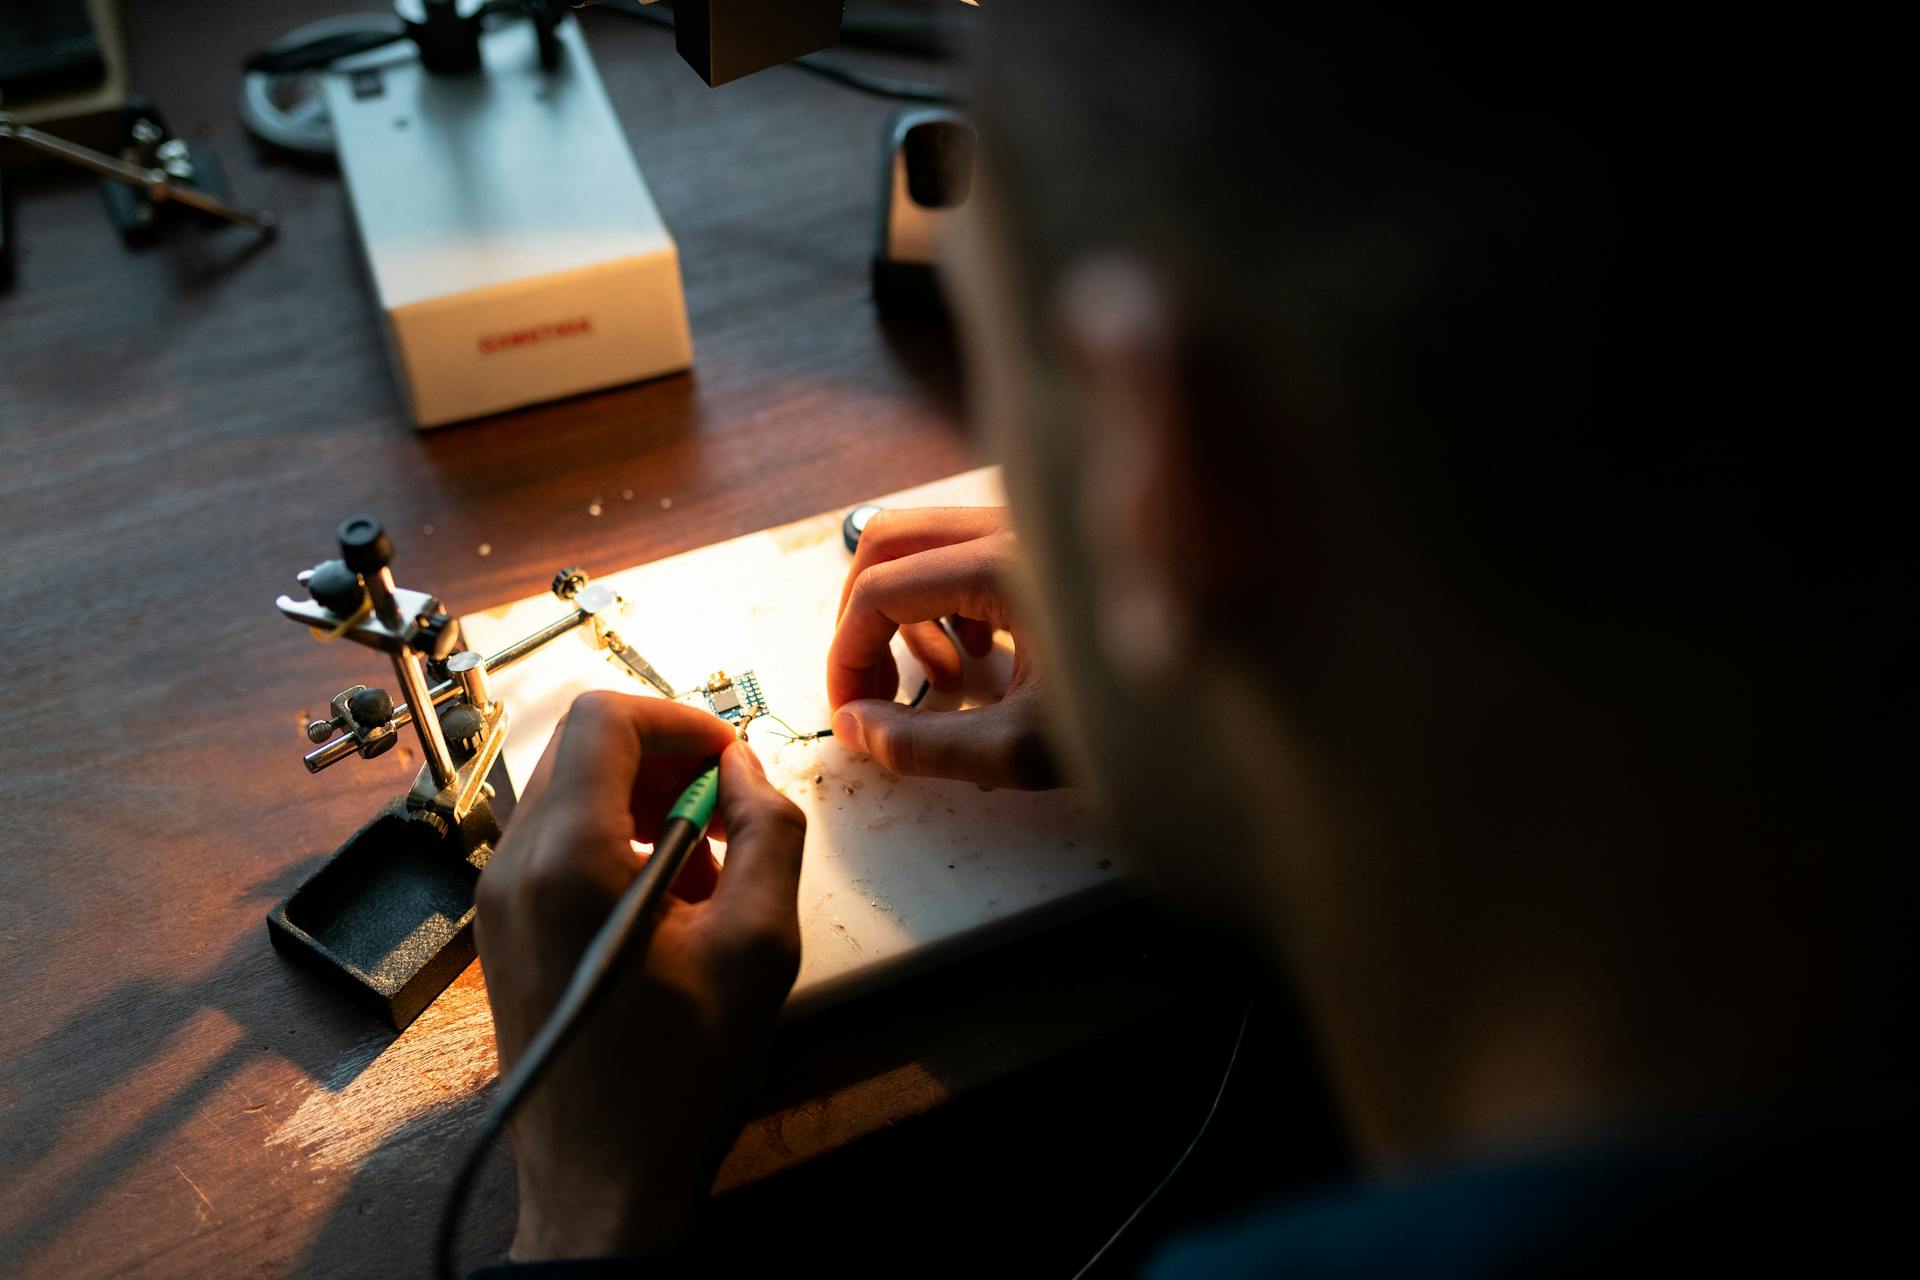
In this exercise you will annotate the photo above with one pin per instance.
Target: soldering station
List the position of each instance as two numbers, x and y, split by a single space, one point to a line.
515 255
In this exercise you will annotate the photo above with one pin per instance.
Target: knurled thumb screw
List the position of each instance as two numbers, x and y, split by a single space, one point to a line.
465 729
567 582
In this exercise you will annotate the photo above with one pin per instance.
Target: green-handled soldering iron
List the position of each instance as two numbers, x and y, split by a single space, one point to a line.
629 925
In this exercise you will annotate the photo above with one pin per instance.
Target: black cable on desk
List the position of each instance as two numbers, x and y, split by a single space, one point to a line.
1233 1057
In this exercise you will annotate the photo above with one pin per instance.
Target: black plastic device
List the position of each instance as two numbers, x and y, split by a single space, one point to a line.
926 176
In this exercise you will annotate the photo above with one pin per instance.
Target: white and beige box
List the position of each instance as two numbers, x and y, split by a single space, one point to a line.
516 252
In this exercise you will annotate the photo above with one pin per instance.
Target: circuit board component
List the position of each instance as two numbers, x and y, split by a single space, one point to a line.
735 699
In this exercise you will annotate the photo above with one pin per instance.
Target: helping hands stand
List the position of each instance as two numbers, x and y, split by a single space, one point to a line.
390 913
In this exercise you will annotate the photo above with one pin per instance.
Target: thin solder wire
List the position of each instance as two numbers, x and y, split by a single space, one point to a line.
794 735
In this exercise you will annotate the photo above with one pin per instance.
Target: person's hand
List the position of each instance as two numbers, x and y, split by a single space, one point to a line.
913 569
618 1145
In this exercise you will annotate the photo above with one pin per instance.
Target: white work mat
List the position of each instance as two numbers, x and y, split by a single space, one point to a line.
895 867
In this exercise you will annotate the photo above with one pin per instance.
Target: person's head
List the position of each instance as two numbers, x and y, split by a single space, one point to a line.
1433 438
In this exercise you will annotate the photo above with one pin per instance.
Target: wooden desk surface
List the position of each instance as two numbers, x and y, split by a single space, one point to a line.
180 429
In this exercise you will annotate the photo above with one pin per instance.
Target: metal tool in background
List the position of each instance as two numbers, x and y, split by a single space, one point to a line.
390 913
595 605
161 170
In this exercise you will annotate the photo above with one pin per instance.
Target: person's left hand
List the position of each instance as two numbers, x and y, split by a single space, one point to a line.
913 568
618 1145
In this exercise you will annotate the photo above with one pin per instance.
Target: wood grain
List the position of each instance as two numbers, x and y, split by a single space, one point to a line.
180 430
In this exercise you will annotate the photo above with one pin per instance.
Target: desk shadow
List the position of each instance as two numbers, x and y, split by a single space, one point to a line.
1045 1158
130 1026
1028 1175
495 461
385 1221
928 349
202 258
1031 1175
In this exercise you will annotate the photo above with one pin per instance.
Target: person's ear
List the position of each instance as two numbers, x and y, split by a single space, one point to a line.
1121 332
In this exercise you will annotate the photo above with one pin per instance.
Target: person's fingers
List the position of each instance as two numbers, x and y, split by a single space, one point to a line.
756 901
570 836
661 780
894 533
975 636
999 746
883 676
938 656
608 735
962 579
697 878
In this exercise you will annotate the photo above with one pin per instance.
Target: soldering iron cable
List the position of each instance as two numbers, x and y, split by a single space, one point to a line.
1206 1123
628 930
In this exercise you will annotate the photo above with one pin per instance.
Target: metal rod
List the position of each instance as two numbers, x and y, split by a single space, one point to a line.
406 664
343 746
545 635
470 669
206 202
380 589
157 183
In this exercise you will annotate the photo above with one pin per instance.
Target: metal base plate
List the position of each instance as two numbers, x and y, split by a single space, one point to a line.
390 915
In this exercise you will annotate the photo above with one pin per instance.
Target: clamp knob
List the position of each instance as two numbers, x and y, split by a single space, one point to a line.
567 582
437 635
336 588
465 730
370 708
364 545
